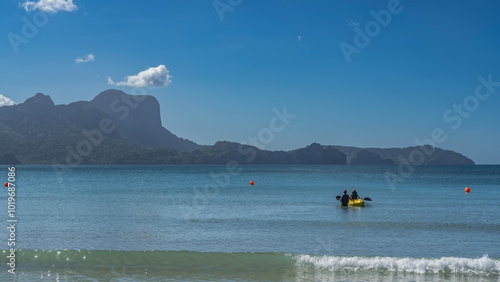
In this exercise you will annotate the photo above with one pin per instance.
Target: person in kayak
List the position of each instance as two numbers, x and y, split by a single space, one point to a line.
354 195
344 198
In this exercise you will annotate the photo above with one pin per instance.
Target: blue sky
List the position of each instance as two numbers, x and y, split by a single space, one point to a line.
231 62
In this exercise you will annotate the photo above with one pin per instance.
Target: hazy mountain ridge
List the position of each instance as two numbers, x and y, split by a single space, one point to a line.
40 132
431 155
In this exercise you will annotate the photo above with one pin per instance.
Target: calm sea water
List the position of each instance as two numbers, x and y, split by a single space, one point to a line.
205 222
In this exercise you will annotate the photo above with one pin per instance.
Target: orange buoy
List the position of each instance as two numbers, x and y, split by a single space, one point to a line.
467 190
6 184
251 182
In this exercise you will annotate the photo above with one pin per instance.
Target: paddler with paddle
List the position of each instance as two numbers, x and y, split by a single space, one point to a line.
344 199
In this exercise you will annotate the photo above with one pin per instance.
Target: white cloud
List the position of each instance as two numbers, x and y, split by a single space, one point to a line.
51 6
86 59
153 77
299 38
4 101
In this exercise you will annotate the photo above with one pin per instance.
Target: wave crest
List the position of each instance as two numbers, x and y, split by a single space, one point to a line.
483 265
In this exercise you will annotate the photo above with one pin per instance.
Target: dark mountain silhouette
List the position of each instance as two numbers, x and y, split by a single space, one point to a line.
138 118
38 132
117 128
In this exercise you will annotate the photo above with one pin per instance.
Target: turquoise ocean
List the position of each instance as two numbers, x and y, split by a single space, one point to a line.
206 223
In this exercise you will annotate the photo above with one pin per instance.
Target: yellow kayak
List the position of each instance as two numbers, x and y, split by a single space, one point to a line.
357 203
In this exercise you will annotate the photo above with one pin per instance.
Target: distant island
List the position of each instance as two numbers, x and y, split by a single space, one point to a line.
118 128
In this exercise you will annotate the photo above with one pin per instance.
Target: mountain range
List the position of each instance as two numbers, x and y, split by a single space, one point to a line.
118 128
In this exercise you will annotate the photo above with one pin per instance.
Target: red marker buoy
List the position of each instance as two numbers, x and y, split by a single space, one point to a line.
251 183
6 184
467 190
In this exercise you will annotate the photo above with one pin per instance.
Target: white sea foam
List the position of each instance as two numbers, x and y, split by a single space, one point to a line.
484 265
